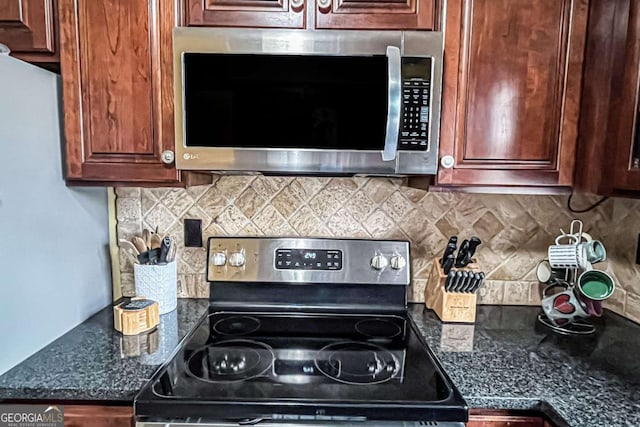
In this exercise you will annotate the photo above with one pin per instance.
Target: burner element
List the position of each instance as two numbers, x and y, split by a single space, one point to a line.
237 325
230 361
378 328
354 362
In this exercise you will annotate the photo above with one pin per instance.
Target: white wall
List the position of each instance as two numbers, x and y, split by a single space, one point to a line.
54 260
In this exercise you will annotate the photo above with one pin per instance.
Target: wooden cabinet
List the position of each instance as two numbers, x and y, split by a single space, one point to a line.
503 418
117 75
246 13
511 95
376 14
329 14
28 28
504 421
609 153
98 416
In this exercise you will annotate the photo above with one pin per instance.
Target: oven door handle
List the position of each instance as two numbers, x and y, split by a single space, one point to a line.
393 104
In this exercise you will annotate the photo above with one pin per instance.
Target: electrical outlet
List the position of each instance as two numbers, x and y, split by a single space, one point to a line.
193 233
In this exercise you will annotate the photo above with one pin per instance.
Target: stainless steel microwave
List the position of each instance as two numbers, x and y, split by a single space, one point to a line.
307 102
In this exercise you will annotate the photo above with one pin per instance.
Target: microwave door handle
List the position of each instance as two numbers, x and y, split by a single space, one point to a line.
393 105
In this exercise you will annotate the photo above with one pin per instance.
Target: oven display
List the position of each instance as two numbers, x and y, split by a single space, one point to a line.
308 259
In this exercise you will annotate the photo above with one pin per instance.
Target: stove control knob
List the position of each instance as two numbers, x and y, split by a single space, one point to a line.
398 262
379 262
236 259
219 259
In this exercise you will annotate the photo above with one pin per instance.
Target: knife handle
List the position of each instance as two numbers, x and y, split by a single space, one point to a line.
449 250
164 250
462 254
448 264
449 280
474 242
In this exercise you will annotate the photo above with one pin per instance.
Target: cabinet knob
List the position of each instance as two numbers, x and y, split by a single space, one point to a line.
168 157
324 6
297 5
447 162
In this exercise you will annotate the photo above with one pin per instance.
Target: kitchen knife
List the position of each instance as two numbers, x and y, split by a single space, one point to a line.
457 282
474 242
450 249
164 250
463 281
480 281
449 281
468 282
448 263
461 259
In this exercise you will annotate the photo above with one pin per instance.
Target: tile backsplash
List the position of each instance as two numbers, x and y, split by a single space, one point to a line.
515 230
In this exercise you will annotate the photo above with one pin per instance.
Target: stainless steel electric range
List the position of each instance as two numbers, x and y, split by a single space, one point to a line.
303 332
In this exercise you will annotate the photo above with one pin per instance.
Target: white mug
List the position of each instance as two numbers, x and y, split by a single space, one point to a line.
568 256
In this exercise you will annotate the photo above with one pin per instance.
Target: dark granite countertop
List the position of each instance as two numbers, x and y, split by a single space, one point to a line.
504 361
87 363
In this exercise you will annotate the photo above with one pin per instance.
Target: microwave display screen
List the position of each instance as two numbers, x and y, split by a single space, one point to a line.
285 101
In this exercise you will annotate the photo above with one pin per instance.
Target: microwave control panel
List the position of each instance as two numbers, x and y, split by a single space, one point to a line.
414 133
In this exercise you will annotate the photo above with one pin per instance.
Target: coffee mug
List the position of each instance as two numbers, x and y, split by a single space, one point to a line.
563 308
593 308
593 251
596 285
568 256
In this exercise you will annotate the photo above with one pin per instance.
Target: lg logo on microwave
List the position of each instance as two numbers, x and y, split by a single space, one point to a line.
190 156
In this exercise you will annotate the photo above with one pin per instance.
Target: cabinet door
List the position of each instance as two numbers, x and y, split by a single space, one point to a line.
376 14
511 91
118 93
28 28
504 421
245 13
625 120
98 416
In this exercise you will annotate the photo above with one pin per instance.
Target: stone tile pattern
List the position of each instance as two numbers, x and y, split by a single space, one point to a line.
515 229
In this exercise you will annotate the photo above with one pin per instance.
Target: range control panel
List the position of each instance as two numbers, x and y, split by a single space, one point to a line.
308 259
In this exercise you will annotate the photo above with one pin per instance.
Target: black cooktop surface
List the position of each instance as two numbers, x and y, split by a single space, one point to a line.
244 365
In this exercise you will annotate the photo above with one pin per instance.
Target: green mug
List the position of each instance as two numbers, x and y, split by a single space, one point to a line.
596 285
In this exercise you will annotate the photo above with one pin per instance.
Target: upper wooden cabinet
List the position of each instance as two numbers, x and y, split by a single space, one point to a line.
246 13
117 74
512 84
609 152
376 14
329 14
28 28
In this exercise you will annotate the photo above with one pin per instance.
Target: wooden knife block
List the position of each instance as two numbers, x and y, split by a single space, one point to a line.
450 306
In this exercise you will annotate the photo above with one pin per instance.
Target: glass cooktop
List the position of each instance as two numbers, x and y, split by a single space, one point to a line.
246 365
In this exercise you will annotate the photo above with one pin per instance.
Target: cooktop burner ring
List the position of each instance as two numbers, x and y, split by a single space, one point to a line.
237 325
378 328
230 361
342 366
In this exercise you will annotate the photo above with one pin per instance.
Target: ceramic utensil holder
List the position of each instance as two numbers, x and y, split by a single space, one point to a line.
158 282
449 306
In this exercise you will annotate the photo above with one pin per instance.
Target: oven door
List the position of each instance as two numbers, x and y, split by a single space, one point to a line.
286 101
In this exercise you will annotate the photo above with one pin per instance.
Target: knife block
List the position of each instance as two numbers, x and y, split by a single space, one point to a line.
450 306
